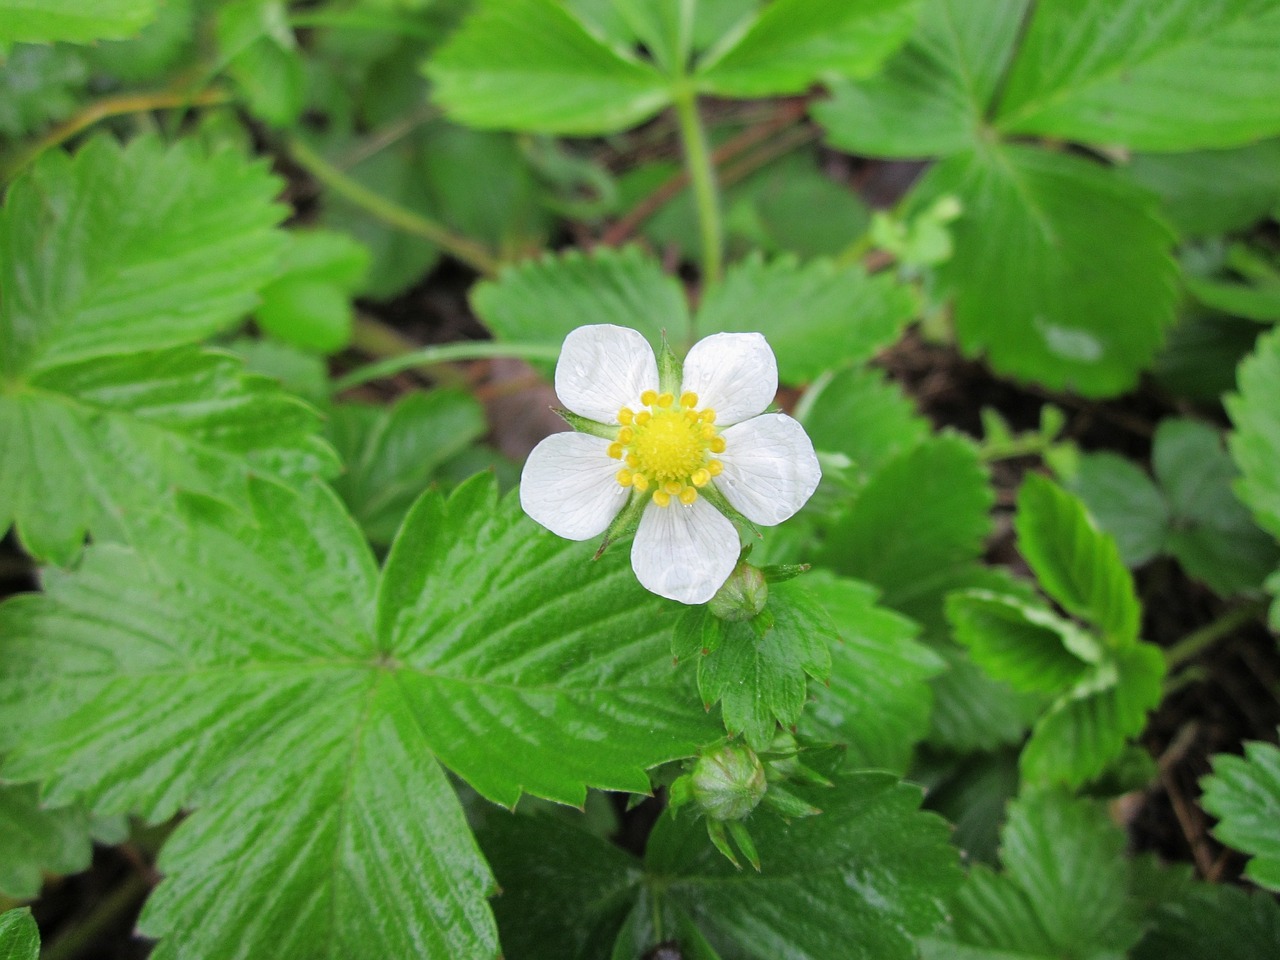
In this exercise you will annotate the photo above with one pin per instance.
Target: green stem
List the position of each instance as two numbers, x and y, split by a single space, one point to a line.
445 353
88 934
702 176
1196 642
468 251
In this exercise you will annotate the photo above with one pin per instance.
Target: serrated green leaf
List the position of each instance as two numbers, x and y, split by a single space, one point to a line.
919 522
859 881
1203 921
1063 893
972 791
1214 191
1147 74
973 711
541 301
19 936
1244 794
758 670
1035 276
94 445
130 248
1076 564
532 65
235 665
35 840
1089 725
877 700
392 453
1126 503
816 317
793 43
931 98
1025 645
43 21
1255 411
39 85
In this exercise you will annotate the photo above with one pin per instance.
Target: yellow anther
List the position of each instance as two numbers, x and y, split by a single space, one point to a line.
625 477
708 415
615 450
662 498
689 399
708 432
648 397
633 461
625 416
666 400
626 435
717 445
701 477
640 482
715 467
673 487
688 495
691 416
643 417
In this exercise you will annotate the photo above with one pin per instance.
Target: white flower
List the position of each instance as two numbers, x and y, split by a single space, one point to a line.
671 452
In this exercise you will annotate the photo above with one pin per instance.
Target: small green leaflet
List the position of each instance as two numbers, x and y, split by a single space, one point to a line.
35 840
43 21
19 936
258 669
859 881
309 304
1191 920
1244 793
933 97
1064 891
1147 74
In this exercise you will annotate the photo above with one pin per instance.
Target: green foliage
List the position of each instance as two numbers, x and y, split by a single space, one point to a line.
38 85
41 21
134 683
1244 794
309 305
1064 891
1201 921
19 937
35 839
1191 514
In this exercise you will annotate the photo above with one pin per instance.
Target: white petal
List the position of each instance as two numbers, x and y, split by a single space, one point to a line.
568 486
683 552
733 373
604 368
770 469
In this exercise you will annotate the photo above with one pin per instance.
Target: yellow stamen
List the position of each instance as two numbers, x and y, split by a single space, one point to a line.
643 417
691 416
715 467
708 432
689 399
708 415
648 397
688 495
717 445
640 482
662 498
615 450
626 435
673 487
665 400
625 477
701 477
625 416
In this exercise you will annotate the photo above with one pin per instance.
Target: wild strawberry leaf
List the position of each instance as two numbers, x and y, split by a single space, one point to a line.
19 936
1244 794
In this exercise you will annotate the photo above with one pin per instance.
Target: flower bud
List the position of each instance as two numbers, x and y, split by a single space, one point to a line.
742 596
728 782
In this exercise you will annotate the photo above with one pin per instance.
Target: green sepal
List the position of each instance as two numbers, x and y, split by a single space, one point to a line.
680 792
670 370
721 503
787 804
625 522
782 572
720 840
742 837
585 425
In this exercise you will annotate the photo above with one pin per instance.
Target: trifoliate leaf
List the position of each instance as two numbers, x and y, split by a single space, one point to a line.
1076 564
816 317
532 65
793 43
541 301
1039 246
877 699
254 668
1063 893
859 881
1256 443
91 446
130 248
757 671
1126 503
1165 75
932 97
1214 191
917 525
19 935
39 85
392 453
43 21
35 840
1204 921
1244 794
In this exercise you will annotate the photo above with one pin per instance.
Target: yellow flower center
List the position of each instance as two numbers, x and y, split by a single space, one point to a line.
667 448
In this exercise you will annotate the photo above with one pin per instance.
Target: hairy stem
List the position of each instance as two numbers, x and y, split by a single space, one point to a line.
1196 642
702 176
444 353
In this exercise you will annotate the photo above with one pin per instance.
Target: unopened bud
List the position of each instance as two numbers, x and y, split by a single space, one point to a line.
729 782
742 596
